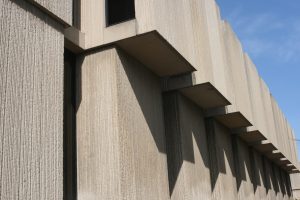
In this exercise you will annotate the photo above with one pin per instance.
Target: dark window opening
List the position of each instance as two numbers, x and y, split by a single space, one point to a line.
119 11
69 169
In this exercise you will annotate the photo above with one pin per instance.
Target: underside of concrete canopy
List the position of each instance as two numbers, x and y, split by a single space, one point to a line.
152 50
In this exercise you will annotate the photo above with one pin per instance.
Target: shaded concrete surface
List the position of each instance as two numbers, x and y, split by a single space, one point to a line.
188 158
222 171
149 108
124 145
31 103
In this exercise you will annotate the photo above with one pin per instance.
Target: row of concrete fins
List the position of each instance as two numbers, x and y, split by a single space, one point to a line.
223 74
253 113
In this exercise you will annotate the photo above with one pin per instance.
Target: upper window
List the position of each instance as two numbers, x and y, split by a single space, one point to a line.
119 11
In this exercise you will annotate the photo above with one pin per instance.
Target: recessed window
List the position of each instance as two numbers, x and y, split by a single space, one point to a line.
119 11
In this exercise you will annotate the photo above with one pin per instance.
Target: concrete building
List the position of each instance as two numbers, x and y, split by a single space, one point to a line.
152 100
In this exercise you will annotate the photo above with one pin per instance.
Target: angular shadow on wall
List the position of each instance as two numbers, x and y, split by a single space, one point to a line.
184 124
244 162
282 182
268 175
145 87
220 150
275 180
288 184
256 170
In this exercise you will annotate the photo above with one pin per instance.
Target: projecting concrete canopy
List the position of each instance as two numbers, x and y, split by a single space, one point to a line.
288 166
152 50
284 161
264 146
229 119
275 155
294 171
205 95
249 134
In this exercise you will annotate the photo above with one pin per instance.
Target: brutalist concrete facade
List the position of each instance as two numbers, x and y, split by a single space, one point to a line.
107 99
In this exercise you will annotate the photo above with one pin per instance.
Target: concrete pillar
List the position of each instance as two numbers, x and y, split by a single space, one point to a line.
31 103
121 150
188 159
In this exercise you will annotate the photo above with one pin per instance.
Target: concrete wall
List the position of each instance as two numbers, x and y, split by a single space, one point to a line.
188 156
61 9
31 103
134 140
237 73
259 181
223 174
163 148
121 151
244 169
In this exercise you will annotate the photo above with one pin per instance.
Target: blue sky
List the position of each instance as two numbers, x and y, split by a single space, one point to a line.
270 32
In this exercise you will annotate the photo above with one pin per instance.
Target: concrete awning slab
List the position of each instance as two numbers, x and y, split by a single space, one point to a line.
152 50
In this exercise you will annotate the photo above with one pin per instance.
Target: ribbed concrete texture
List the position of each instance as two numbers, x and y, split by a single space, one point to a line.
62 9
31 104
163 104
121 151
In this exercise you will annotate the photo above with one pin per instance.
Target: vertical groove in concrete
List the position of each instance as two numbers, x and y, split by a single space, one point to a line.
31 103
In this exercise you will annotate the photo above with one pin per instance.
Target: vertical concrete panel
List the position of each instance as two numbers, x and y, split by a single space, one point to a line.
295 153
222 169
188 158
268 112
98 145
216 46
244 172
93 29
278 131
290 141
228 71
120 130
60 8
141 120
283 132
31 103
255 95
235 61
